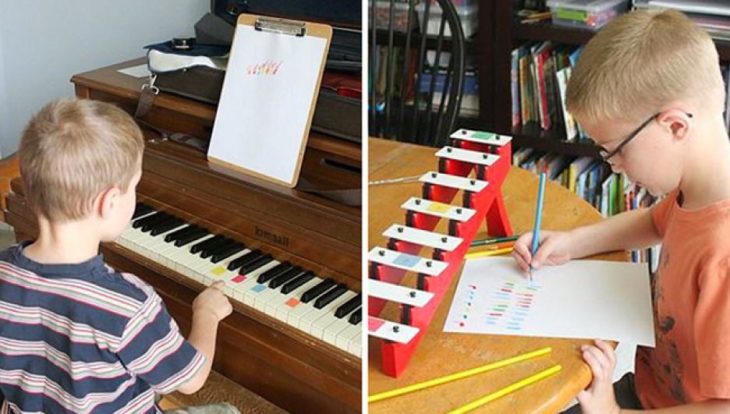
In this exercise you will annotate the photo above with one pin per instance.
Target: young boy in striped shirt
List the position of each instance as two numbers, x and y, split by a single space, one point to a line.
76 336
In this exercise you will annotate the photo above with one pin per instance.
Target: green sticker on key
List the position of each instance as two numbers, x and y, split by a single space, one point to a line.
483 135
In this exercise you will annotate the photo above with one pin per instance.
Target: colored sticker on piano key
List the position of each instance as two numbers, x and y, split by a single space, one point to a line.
217 271
239 279
292 303
258 288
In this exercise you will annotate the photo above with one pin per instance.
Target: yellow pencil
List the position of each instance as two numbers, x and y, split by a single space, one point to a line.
459 375
488 253
508 389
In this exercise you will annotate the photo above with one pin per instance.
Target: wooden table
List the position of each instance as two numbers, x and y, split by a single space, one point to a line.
442 353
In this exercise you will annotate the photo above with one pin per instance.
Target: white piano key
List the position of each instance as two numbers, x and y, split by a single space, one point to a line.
433 208
398 293
481 137
409 262
454 181
335 328
317 325
469 156
343 338
423 237
354 345
391 331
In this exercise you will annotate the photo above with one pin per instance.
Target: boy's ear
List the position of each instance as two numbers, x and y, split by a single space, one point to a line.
107 201
676 121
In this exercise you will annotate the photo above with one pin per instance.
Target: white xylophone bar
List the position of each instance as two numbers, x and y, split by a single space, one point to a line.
398 293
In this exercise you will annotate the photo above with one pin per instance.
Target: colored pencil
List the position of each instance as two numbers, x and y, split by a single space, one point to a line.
484 242
538 218
488 253
459 375
507 390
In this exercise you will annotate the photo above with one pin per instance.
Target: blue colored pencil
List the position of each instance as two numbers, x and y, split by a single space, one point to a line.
538 218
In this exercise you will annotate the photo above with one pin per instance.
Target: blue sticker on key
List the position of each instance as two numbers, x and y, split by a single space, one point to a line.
406 260
258 288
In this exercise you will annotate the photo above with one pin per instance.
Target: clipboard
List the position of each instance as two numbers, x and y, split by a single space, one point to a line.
269 94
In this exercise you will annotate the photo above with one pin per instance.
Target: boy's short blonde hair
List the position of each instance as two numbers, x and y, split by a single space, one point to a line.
74 149
641 61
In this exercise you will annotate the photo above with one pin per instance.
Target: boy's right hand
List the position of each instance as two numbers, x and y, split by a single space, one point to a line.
214 301
554 250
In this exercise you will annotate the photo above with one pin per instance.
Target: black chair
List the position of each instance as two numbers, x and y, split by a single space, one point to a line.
415 81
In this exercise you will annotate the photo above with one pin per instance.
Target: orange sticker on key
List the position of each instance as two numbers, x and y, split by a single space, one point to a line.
292 302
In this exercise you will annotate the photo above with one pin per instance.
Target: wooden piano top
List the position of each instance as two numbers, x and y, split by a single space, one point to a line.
109 80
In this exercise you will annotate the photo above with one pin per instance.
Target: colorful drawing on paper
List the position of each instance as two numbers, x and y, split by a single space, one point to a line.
506 305
580 299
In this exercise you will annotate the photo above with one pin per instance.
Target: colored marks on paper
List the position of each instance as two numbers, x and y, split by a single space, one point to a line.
406 260
509 304
264 68
468 302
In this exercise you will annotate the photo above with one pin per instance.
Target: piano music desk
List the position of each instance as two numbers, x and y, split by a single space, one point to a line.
442 353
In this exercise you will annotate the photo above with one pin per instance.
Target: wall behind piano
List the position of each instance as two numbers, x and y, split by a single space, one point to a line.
44 42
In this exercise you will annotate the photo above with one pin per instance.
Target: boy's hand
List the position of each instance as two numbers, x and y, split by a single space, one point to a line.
554 250
598 398
214 301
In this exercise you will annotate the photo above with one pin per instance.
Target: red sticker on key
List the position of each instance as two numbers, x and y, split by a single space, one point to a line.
374 324
238 279
292 302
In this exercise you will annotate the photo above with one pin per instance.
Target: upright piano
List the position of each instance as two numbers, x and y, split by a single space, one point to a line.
291 259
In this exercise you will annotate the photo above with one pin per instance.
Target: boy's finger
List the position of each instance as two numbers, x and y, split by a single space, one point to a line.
595 365
218 285
583 397
607 351
521 261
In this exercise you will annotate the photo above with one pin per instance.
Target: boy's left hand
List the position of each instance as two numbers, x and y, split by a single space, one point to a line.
598 398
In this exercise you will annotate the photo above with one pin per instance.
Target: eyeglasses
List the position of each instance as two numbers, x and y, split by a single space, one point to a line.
607 155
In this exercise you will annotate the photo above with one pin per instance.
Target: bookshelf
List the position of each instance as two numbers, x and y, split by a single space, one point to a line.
499 33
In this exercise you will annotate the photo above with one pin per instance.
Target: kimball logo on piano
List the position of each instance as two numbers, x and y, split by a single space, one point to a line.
274 238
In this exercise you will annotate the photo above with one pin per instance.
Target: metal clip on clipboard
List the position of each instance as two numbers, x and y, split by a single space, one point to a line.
290 27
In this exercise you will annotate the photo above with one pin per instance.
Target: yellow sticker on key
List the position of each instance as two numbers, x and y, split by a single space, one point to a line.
218 270
438 207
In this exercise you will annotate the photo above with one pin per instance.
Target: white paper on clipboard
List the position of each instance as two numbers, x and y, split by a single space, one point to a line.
264 114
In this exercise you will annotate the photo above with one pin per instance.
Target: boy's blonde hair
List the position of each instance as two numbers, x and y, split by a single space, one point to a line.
72 150
641 61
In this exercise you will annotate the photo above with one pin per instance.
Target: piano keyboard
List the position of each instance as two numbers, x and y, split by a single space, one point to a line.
319 307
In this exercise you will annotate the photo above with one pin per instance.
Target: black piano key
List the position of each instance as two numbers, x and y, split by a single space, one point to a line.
162 218
244 260
140 210
331 295
261 261
273 272
208 250
356 317
285 277
164 227
181 232
317 290
205 243
144 220
298 281
348 306
227 252
191 237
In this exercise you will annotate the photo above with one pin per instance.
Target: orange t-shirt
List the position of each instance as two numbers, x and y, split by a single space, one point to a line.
691 295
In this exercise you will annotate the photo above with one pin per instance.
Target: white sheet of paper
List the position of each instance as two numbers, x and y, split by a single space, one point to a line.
140 71
265 102
580 299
